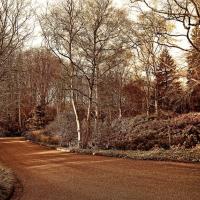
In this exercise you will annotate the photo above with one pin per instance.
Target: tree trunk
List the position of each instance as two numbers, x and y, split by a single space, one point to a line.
87 136
156 102
19 111
96 123
120 104
148 102
19 102
78 125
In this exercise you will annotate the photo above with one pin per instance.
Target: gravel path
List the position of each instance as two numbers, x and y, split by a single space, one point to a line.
52 175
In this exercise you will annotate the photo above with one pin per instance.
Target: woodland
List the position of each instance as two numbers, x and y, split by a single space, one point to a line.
103 76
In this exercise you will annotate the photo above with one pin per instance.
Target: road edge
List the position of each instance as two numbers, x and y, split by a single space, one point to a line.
154 155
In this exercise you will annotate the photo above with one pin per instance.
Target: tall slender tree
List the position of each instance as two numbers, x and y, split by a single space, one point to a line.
166 79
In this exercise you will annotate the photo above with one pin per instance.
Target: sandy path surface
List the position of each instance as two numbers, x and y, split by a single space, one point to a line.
52 175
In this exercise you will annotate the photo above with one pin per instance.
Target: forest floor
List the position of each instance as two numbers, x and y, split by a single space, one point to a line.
49 174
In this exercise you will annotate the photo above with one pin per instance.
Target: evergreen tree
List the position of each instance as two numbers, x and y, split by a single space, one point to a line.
166 80
37 120
194 72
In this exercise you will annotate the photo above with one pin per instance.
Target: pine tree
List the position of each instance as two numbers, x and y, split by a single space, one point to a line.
167 83
37 120
194 72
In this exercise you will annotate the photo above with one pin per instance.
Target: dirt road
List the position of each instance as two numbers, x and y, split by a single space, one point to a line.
52 175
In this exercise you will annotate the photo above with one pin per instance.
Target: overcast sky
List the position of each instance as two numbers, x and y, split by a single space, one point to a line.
37 39
121 2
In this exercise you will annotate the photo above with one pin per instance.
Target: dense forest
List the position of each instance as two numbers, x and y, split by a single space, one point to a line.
125 78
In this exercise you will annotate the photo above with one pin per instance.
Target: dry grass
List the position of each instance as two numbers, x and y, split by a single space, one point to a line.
41 137
6 183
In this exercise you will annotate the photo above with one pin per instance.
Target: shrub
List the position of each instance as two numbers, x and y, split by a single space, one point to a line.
142 133
63 129
6 183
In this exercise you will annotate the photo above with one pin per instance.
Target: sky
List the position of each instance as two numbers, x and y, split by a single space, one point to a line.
121 3
36 40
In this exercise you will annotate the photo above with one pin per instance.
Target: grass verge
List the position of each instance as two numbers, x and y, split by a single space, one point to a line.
7 181
178 155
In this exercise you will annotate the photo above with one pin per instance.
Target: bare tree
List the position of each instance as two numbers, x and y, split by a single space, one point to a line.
103 40
184 12
148 49
14 30
61 26
87 39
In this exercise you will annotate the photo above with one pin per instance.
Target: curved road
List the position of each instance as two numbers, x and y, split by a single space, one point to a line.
52 175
